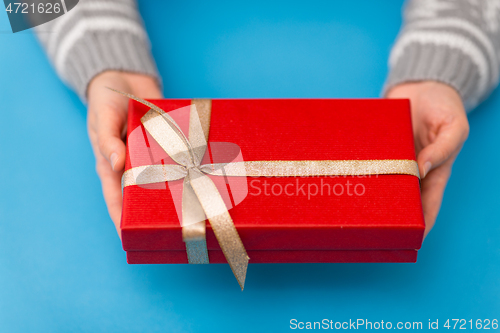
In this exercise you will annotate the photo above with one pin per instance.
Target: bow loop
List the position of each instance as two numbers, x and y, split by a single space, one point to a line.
170 138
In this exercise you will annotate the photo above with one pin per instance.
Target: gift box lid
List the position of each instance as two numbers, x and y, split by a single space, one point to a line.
369 212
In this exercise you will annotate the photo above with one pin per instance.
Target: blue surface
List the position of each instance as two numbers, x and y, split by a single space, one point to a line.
62 268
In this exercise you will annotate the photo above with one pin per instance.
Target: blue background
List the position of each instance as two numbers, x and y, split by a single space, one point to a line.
62 268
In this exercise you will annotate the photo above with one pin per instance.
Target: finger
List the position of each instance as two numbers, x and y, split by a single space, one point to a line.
433 187
111 189
446 144
110 182
110 127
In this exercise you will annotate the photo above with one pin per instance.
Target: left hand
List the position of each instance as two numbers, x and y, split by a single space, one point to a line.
107 125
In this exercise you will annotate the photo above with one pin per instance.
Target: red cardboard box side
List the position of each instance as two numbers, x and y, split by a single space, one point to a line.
388 216
258 257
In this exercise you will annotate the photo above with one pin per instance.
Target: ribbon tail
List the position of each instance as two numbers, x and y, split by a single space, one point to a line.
193 226
221 223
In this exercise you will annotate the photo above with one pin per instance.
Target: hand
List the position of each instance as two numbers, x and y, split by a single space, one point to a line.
107 127
440 128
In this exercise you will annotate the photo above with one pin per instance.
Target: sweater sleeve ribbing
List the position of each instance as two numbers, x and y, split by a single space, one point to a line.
95 36
456 42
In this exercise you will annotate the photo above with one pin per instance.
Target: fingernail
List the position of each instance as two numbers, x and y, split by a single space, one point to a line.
427 168
113 158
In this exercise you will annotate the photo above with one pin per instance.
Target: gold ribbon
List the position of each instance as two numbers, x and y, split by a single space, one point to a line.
200 197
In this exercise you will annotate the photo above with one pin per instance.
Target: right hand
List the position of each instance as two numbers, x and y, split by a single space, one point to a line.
440 128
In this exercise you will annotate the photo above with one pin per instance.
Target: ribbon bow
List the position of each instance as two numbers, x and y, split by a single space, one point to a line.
201 199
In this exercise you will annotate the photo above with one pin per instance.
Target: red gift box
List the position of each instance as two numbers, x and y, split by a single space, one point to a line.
371 218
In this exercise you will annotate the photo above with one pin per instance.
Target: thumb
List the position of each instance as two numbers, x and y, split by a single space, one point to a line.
446 145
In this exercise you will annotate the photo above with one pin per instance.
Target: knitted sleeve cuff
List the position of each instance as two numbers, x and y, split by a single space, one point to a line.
421 62
98 51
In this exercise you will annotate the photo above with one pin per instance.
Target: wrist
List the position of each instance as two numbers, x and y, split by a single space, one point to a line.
413 88
143 85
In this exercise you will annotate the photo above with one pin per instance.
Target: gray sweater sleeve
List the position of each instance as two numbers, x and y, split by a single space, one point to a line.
452 41
95 36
